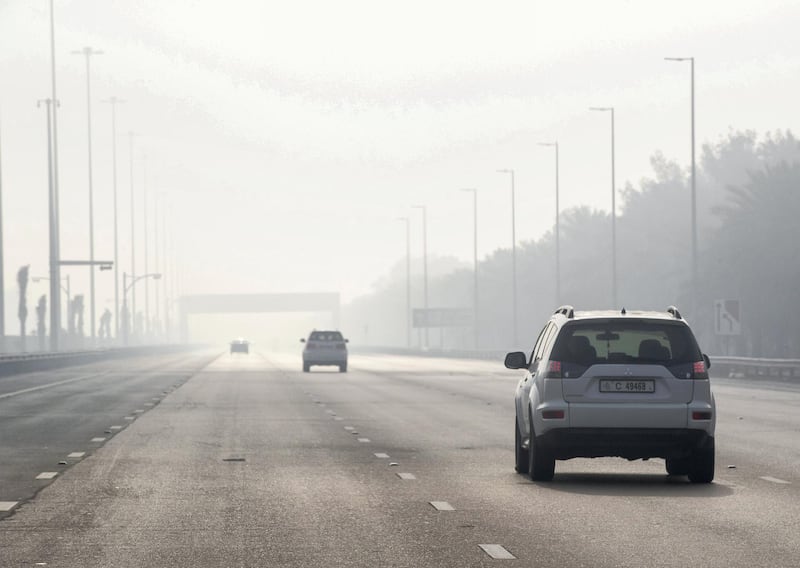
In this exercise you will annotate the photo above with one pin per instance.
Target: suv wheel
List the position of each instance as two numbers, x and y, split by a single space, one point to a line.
701 467
541 463
306 367
343 368
520 453
677 466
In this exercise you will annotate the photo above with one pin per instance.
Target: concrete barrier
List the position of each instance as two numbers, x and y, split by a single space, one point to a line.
31 362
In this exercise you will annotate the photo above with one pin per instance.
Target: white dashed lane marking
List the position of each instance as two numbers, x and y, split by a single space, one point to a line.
97 440
7 505
47 475
76 455
338 418
382 455
775 480
116 428
130 418
349 428
406 476
497 552
138 411
442 506
364 440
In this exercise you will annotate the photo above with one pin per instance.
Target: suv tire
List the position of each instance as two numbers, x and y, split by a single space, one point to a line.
701 467
677 466
520 454
541 463
306 367
343 368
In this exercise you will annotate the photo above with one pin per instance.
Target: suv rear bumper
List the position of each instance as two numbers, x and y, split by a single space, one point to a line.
629 443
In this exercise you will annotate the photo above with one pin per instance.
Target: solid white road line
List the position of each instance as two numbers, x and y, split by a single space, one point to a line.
775 480
49 385
7 505
47 475
406 476
382 455
364 440
76 455
442 506
97 440
497 552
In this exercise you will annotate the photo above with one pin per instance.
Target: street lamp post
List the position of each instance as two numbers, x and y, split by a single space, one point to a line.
125 288
613 211
558 227
424 264
513 255
55 232
474 192
406 220
694 188
114 101
55 326
132 312
87 52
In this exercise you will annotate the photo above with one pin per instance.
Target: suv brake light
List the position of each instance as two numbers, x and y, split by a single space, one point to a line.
699 370
553 370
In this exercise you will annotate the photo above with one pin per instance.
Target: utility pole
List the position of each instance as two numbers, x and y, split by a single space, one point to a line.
615 305
87 52
132 314
407 222
513 256
425 266
55 285
55 231
114 101
146 267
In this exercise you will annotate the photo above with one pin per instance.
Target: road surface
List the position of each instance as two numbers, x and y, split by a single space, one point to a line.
232 461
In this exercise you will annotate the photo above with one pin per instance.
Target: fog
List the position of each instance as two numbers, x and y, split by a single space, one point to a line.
277 143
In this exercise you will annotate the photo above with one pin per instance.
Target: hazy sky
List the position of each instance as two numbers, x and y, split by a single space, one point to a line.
287 137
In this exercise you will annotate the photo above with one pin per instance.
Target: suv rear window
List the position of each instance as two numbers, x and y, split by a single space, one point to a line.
583 344
326 336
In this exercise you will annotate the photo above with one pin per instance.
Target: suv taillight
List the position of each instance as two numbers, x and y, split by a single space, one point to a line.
553 370
699 370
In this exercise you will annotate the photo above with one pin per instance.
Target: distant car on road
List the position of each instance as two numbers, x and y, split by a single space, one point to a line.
325 348
240 345
625 384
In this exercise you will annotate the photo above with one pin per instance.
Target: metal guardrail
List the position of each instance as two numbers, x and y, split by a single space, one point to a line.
721 366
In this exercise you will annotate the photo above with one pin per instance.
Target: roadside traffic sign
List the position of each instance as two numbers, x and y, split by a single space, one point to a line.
727 317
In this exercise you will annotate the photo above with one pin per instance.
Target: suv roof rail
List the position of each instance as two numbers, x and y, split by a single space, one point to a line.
568 311
672 310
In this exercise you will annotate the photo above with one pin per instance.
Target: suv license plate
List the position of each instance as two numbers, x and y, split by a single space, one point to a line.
627 385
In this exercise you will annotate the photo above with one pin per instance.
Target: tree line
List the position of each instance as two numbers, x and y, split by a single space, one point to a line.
748 206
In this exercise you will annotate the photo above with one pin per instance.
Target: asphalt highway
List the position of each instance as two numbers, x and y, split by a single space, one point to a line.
248 462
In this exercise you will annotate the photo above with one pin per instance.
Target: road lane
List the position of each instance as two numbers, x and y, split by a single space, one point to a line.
50 420
249 464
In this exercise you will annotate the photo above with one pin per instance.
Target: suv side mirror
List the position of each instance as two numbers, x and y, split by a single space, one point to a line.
302 340
707 360
516 360
347 341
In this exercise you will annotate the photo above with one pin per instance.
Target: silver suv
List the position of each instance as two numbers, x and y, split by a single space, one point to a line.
628 384
325 348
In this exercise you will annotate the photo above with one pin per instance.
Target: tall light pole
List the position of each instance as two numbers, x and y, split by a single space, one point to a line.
424 264
165 264
146 266
55 274
87 52
613 211
513 255
132 314
558 227
114 101
475 263
694 189
55 231
407 222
